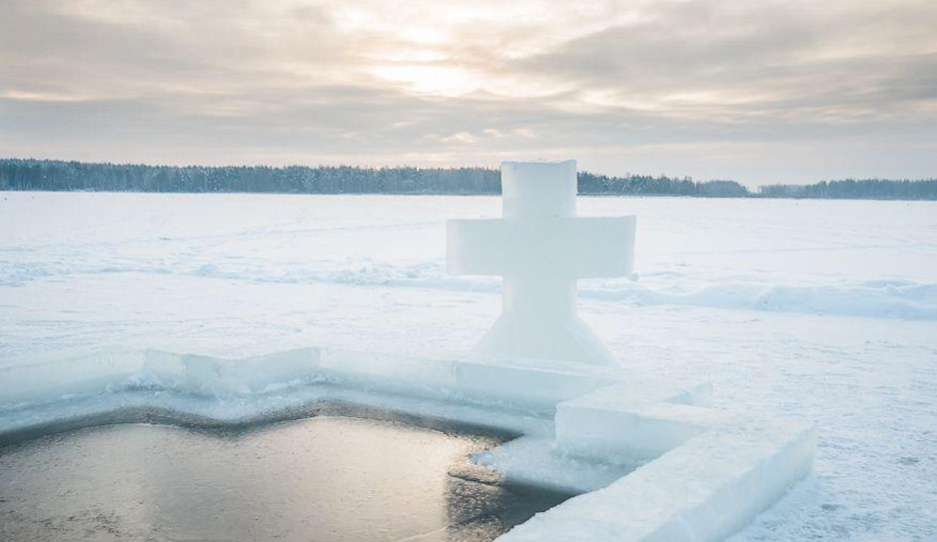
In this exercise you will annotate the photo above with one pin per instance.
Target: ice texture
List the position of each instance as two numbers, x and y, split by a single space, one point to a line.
541 248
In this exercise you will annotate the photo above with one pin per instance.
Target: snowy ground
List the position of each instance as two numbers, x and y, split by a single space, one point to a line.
823 310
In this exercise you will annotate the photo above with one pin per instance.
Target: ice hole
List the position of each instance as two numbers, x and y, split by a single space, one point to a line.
333 477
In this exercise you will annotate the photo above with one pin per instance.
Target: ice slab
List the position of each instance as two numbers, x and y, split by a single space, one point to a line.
50 377
519 382
704 490
536 460
633 421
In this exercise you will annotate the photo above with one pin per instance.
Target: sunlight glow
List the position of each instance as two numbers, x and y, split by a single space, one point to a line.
443 80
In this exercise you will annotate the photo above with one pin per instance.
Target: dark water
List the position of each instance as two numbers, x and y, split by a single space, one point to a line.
327 478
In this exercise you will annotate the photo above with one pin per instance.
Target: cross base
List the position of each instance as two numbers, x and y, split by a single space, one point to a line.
567 339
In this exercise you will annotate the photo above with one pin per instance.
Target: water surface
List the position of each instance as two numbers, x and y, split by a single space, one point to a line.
322 478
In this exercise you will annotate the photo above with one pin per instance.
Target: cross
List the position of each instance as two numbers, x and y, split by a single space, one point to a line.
541 248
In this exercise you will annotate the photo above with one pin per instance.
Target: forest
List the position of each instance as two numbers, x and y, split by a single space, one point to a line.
56 175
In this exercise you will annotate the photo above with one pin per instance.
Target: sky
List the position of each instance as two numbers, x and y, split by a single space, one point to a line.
756 91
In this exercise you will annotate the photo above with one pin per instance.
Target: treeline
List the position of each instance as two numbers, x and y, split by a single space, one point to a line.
856 189
590 183
19 174
55 175
16 174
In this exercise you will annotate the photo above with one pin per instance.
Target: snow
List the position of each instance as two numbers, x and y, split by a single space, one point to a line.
816 310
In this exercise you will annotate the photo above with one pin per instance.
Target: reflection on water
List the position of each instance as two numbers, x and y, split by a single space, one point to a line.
322 478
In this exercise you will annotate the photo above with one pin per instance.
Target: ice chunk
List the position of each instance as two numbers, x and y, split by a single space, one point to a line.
50 378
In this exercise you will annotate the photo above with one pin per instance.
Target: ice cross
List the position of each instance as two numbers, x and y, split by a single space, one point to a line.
541 247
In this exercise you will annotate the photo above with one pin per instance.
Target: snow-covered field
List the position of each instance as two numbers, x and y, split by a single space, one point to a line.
820 310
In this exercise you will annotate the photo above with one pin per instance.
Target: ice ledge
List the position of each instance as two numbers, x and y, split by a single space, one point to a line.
707 477
703 476
707 489
513 382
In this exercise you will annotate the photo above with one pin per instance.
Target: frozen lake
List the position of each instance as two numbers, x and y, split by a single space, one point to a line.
819 309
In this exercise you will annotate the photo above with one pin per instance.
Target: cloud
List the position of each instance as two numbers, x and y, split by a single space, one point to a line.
697 87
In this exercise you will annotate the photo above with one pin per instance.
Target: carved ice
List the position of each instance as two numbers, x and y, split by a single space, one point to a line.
541 247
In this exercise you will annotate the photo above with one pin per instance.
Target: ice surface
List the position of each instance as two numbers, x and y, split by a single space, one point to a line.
632 420
706 489
541 249
820 309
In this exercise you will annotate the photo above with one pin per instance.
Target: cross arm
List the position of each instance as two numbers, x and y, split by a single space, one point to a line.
571 247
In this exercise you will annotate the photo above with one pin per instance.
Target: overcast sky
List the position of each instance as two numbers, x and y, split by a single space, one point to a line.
760 92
